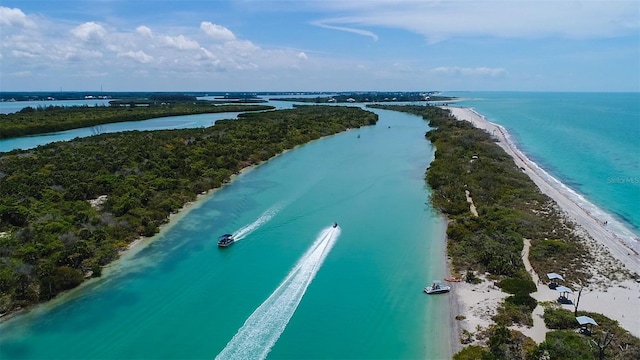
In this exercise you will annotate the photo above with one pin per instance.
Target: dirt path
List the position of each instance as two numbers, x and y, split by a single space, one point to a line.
472 206
539 330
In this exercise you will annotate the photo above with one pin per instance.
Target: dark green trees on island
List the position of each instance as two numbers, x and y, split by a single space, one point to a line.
68 208
30 121
510 209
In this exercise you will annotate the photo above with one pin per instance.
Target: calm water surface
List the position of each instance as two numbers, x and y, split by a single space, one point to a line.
589 141
359 296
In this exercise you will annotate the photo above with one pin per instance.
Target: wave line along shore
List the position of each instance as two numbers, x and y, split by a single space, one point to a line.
621 242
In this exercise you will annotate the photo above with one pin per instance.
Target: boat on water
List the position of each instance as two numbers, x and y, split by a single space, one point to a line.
225 240
335 224
437 288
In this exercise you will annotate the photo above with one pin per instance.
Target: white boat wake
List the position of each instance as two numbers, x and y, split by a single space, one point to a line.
262 329
265 217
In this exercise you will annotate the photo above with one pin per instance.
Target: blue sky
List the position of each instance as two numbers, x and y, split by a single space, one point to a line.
313 45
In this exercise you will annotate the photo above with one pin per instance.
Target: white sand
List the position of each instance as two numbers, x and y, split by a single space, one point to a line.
616 299
478 304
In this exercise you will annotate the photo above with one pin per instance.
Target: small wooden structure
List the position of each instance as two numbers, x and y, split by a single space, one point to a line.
586 323
554 280
564 292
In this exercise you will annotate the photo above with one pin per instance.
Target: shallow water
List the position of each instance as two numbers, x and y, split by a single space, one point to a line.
182 297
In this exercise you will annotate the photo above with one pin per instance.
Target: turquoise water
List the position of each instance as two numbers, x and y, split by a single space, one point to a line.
169 122
359 297
7 107
589 141
305 290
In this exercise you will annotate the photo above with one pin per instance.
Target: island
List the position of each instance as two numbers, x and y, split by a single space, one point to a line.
69 208
31 121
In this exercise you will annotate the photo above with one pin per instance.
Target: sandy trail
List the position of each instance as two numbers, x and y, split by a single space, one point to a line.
619 300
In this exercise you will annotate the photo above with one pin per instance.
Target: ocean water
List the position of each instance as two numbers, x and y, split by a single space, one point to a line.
292 287
588 141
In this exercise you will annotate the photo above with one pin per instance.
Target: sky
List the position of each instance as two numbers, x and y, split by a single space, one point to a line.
320 45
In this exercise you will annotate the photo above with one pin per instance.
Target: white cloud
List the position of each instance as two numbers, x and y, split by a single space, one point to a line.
439 20
243 48
80 55
302 55
216 31
144 31
15 17
25 73
181 42
467 71
138 56
324 24
90 32
23 54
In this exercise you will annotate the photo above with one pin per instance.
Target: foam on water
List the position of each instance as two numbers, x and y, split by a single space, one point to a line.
264 218
262 329
615 227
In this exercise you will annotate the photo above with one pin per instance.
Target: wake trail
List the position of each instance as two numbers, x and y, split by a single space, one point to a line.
264 218
264 326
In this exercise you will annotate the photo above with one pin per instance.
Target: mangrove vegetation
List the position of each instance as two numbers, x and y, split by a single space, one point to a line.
68 208
31 121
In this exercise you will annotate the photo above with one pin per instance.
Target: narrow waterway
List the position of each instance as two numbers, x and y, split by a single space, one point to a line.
307 290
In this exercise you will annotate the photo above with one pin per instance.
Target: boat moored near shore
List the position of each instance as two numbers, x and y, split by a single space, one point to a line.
437 288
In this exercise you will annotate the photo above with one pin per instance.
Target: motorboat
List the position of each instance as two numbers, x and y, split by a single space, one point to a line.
225 240
437 288
335 224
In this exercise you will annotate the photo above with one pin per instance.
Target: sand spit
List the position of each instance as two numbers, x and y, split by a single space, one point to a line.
618 299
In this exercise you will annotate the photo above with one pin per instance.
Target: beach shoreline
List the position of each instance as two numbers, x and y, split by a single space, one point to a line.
618 300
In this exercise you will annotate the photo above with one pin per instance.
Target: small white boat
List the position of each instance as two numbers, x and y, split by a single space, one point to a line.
437 288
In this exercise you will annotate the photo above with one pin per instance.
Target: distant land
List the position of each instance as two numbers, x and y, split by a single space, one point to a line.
321 97
370 97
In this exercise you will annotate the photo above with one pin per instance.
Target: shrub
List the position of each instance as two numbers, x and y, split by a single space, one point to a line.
559 319
567 344
517 286
523 300
471 353
471 278
510 313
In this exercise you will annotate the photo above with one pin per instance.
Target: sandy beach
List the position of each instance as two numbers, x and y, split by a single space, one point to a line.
618 299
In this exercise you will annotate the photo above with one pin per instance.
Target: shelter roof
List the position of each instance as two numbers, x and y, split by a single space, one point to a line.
553 276
583 320
563 289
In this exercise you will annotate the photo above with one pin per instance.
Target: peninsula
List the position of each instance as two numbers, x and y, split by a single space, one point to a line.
522 229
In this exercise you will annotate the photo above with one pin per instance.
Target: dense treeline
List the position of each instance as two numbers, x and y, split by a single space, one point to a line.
31 121
53 236
510 208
